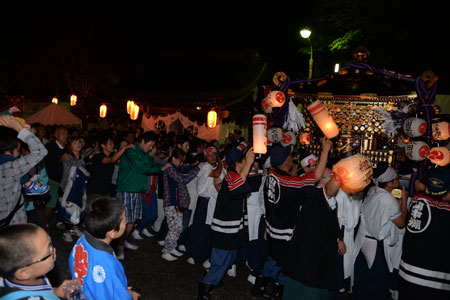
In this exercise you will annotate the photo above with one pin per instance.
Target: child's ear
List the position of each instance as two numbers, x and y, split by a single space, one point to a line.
112 234
22 274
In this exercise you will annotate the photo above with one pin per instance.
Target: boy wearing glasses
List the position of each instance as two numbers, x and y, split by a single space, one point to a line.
26 255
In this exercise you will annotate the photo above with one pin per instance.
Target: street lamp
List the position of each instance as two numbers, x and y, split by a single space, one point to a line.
305 33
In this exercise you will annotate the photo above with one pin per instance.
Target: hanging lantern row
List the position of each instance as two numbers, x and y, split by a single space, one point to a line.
211 118
276 135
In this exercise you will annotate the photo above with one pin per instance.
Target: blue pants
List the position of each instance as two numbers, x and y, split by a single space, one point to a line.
221 260
273 270
257 251
371 283
200 233
149 212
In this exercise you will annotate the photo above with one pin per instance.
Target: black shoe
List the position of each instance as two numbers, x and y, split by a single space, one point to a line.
260 286
277 292
203 291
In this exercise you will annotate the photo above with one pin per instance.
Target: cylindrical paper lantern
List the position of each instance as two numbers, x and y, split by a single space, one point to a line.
323 119
288 139
73 100
305 138
276 98
55 100
266 106
130 105
417 150
212 118
134 112
441 131
275 135
414 127
354 173
260 134
439 156
103 110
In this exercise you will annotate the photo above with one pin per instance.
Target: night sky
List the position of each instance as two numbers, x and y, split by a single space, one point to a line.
148 48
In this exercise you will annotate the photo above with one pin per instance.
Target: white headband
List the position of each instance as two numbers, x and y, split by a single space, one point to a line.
310 159
387 176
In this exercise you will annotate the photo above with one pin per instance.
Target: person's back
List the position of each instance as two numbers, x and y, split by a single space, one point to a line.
92 260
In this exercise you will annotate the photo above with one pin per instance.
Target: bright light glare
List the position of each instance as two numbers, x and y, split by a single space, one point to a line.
305 33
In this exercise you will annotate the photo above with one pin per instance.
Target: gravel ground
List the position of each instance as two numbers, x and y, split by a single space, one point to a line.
154 277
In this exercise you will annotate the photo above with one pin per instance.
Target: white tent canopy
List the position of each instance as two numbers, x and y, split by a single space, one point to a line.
54 114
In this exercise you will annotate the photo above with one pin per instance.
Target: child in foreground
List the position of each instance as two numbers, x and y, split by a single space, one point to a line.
26 256
92 260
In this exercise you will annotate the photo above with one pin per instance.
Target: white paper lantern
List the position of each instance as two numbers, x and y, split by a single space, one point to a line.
414 127
260 134
266 106
439 156
441 131
354 173
276 98
323 119
275 135
288 138
417 150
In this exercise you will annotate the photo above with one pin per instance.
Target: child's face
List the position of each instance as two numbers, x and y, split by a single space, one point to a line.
45 256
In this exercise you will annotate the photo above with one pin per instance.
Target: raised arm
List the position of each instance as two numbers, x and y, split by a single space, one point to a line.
321 165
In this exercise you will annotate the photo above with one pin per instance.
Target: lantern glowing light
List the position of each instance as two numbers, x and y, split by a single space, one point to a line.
441 131
439 156
323 119
260 134
103 110
276 98
134 112
305 138
73 100
55 100
211 118
354 173
130 105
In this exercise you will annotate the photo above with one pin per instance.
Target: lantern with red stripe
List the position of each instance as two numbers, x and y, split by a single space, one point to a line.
439 156
260 134
417 150
276 98
323 119
288 139
414 127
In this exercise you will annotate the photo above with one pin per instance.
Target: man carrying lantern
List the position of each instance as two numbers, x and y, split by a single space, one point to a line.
382 217
424 266
283 196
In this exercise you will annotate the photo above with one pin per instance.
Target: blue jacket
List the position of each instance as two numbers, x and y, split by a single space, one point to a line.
102 276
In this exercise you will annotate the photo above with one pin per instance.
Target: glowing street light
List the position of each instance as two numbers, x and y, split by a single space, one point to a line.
305 33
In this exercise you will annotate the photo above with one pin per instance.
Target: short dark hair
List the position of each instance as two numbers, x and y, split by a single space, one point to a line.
104 214
148 136
16 248
8 139
181 139
178 153
104 137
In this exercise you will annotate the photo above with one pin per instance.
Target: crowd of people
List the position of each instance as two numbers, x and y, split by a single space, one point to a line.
282 214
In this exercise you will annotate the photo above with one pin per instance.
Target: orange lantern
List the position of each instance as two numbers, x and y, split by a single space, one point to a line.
212 118
134 111
260 134
305 138
323 119
441 131
73 100
439 156
130 105
55 100
276 98
103 110
354 173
